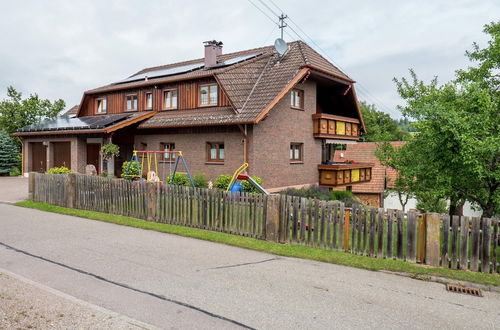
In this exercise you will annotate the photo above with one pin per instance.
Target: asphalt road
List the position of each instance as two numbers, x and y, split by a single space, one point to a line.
175 282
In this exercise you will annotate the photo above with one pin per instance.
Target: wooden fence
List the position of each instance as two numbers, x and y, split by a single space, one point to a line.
436 240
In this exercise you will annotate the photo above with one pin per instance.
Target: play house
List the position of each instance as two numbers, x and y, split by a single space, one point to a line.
281 111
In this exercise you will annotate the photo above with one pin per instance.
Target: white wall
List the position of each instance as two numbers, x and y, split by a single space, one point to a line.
392 202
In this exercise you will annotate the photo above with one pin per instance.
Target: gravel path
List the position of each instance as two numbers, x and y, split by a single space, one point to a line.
26 306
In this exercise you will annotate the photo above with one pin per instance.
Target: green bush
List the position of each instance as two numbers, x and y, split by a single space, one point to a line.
339 195
59 170
248 187
15 172
133 173
315 192
179 179
200 181
104 174
222 181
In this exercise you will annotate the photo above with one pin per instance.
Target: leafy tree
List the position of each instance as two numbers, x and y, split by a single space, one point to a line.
8 154
379 125
16 112
456 152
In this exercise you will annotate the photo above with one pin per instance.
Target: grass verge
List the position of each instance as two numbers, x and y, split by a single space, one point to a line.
295 251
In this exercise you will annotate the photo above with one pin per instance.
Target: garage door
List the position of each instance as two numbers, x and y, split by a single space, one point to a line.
38 157
62 154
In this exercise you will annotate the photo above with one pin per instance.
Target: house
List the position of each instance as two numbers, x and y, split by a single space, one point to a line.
281 114
373 192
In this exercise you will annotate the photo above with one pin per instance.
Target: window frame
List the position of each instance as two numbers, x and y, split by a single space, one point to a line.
102 99
209 85
293 98
164 99
296 146
146 100
171 157
218 159
136 102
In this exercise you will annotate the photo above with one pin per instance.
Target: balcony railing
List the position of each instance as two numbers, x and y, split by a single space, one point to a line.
339 174
335 127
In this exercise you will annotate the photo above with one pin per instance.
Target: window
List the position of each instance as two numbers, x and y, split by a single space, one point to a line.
168 147
101 105
215 152
170 99
297 98
296 151
149 100
131 102
209 95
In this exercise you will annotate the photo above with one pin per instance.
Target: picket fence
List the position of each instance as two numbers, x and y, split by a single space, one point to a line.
437 240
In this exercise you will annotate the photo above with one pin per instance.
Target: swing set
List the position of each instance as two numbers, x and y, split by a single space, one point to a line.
149 156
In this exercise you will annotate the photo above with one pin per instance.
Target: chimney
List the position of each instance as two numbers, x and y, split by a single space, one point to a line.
213 49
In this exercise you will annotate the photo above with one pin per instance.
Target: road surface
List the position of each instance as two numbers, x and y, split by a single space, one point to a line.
177 283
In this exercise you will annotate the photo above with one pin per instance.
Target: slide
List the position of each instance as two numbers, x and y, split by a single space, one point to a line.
258 186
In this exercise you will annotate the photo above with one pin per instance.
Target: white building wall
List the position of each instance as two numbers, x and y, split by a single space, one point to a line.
392 202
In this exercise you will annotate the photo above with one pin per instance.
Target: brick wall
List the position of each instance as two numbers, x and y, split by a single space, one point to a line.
271 138
193 143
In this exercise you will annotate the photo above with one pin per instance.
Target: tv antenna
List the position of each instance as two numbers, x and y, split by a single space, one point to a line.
282 23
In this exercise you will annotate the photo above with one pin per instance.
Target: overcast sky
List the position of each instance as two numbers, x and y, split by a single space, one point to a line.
59 49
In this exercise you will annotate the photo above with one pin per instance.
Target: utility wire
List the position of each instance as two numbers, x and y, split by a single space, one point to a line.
269 8
263 12
362 89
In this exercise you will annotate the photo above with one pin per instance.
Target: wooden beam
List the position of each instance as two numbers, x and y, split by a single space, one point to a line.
130 122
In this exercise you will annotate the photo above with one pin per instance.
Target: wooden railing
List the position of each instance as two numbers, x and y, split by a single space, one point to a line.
343 174
335 127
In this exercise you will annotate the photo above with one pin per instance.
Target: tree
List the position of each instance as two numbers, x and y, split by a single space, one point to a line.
456 152
16 112
8 154
379 125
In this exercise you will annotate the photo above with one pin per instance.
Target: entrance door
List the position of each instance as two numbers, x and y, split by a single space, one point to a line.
38 157
62 154
93 155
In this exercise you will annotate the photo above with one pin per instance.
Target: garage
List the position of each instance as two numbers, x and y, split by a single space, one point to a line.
62 154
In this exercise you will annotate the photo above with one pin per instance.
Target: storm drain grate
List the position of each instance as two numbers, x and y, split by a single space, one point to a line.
464 289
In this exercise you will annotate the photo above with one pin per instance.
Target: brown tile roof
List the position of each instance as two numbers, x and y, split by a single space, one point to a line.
251 85
364 152
71 111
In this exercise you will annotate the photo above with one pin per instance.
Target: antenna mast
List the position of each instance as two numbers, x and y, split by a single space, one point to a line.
282 24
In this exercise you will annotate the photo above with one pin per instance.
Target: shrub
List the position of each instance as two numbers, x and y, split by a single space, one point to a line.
109 150
104 174
338 195
15 172
179 179
311 192
133 173
59 170
200 181
248 187
222 181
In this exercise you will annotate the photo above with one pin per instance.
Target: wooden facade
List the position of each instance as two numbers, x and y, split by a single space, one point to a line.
344 174
331 126
188 95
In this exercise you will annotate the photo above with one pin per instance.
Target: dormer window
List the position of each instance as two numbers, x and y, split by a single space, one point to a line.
101 105
297 98
149 100
209 95
131 102
170 99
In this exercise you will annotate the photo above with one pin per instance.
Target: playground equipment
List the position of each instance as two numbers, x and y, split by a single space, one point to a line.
240 174
152 175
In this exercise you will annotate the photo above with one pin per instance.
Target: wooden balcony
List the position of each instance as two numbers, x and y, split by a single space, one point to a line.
344 174
328 126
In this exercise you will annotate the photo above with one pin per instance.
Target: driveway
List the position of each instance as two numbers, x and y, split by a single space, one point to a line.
176 282
13 189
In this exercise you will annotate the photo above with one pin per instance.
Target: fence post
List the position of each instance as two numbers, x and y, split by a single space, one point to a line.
71 197
347 224
31 186
421 238
433 228
273 218
151 200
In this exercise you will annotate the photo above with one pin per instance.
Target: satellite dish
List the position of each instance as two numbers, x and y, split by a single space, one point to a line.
280 46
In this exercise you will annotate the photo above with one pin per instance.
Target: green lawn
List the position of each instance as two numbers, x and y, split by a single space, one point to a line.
297 251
